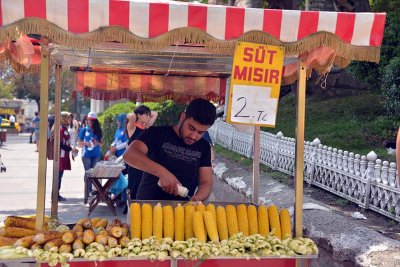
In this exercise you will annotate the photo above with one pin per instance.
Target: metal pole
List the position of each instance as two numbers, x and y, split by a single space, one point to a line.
307 5
256 164
44 105
299 165
56 132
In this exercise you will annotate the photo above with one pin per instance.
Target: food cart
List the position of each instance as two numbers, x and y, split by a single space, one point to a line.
316 40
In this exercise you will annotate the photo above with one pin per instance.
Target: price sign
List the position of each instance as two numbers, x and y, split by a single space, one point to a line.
255 84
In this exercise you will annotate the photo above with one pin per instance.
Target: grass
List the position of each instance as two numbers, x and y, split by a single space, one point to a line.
354 123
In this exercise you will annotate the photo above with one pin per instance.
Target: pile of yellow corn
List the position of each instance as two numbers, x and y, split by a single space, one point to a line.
207 222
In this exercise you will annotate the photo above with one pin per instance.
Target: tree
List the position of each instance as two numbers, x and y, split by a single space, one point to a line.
6 90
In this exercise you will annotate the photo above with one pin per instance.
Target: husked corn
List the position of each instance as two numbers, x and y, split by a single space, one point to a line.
243 221
168 221
189 210
211 226
198 226
158 221
135 220
222 223
253 222
179 221
273 216
231 218
263 222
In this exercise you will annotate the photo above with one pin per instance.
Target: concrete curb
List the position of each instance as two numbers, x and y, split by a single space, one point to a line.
340 235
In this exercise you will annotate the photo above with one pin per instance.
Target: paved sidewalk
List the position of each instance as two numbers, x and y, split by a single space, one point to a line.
19 184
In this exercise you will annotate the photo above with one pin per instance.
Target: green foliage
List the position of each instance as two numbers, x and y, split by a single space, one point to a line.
107 121
374 74
391 86
168 114
6 90
355 123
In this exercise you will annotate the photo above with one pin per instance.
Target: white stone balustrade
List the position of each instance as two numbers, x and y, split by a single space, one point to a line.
365 180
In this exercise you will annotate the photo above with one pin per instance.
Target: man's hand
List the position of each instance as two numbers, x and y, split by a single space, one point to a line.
169 183
113 149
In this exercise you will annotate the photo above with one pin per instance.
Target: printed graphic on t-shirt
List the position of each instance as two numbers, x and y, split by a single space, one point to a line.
180 153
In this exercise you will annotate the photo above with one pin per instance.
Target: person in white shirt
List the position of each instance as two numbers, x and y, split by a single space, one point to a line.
12 120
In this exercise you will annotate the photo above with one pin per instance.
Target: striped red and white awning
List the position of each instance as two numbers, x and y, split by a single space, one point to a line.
149 24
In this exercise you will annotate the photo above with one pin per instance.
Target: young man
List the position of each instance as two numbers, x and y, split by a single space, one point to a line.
175 155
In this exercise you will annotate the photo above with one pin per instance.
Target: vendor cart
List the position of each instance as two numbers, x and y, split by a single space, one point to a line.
157 34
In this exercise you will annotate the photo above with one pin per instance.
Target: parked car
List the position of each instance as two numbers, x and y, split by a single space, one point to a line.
6 123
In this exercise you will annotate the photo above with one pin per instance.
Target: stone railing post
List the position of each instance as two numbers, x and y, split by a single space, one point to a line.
277 147
357 160
351 163
377 172
371 157
230 146
340 159
345 161
334 158
329 157
384 173
314 158
392 174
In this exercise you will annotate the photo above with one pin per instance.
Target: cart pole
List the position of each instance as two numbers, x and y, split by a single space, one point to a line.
299 165
256 164
57 111
44 106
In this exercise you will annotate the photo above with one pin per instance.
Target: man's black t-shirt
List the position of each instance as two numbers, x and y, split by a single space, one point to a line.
167 149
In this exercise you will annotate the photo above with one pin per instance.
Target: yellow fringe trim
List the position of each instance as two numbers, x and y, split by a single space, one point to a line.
182 35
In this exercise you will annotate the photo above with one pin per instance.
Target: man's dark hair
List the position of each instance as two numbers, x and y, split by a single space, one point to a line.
141 110
202 111
36 113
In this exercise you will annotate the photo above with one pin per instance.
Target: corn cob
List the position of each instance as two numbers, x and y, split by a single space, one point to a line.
158 221
7 241
198 226
80 235
252 216
273 217
53 243
65 248
102 239
286 228
221 223
78 228
116 231
10 231
211 207
200 207
103 232
116 222
125 229
179 214
211 226
42 238
102 223
85 222
95 221
69 237
15 221
243 221
77 244
263 222
189 209
88 236
147 221
25 242
123 241
135 220
231 219
168 221
112 242
36 246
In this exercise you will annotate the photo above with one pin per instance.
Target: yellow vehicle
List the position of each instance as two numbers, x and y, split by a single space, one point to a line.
6 123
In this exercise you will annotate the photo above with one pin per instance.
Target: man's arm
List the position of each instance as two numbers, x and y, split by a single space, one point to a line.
398 157
136 156
205 184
